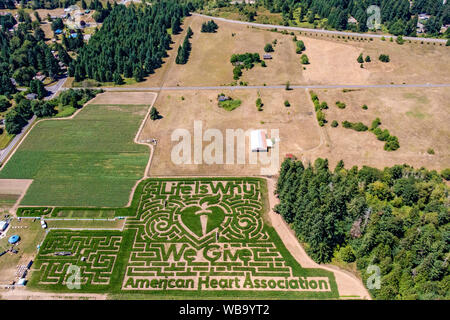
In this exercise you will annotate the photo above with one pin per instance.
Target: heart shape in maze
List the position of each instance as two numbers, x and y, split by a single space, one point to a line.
200 221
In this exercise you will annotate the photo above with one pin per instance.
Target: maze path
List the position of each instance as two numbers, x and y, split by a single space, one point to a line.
163 236
95 253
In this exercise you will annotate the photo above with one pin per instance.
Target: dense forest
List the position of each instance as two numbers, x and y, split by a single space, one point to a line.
397 219
24 53
132 42
398 16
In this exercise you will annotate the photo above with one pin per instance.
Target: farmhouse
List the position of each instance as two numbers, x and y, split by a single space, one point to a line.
267 56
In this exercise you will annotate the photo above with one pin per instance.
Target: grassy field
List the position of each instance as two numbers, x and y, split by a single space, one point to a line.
94 151
86 224
31 234
142 250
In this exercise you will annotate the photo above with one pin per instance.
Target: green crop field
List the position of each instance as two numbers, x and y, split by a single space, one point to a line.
191 237
90 160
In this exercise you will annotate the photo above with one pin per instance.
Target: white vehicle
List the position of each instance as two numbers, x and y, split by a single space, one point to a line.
43 224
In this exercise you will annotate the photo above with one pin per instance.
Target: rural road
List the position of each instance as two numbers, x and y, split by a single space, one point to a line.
52 90
367 35
318 86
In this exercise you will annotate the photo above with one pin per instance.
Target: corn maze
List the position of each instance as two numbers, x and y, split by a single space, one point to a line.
196 236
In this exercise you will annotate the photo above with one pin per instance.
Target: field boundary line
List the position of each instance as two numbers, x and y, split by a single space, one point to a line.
150 146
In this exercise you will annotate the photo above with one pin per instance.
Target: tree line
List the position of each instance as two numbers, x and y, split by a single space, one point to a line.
24 109
184 49
398 16
396 218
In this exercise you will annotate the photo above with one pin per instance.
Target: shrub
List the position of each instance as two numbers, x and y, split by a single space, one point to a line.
384 58
368 59
364 107
430 151
400 40
263 64
300 46
446 174
268 48
259 104
346 254
4 103
375 123
154 114
286 103
304 59
334 124
357 126
360 58
340 105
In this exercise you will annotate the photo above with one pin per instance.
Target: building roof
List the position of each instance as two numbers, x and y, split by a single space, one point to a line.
258 140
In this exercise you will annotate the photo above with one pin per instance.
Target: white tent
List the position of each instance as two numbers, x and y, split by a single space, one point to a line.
258 141
3 225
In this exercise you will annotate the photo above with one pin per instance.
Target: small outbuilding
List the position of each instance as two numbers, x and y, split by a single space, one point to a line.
3 225
267 56
258 141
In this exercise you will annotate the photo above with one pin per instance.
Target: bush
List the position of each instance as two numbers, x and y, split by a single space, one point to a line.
4 103
430 151
448 43
300 46
209 27
154 114
259 104
357 126
268 48
375 123
346 254
400 40
446 174
304 59
384 58
360 58
368 59
286 103
364 107
340 105
334 124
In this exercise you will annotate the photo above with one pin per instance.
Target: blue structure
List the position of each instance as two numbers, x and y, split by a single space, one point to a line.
58 31
14 239
73 35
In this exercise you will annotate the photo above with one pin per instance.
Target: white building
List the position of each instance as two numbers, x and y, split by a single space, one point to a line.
258 141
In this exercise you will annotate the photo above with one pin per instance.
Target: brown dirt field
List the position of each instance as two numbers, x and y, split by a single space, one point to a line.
124 98
14 186
209 61
297 126
333 61
418 118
